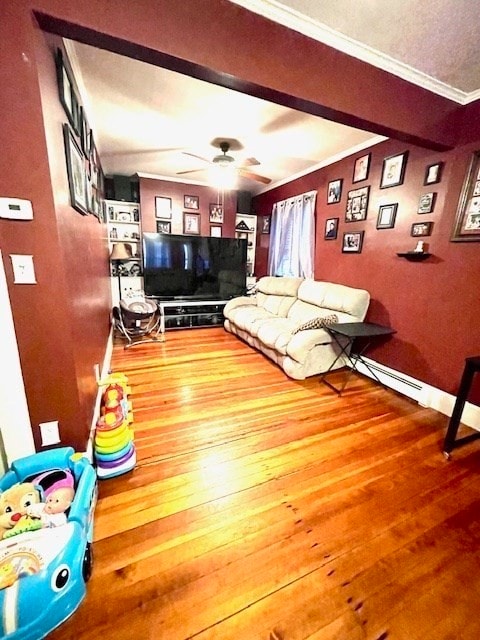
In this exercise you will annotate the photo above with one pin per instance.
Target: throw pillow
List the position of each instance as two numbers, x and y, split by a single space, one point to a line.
317 323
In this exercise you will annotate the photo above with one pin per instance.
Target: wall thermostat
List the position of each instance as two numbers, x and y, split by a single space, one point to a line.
16 209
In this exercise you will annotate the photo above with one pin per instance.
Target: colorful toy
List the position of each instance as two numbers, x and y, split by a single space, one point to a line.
114 449
14 503
43 573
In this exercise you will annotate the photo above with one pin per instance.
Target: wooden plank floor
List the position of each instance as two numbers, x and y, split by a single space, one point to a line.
263 504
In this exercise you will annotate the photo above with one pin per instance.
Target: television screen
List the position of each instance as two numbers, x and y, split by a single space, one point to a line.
193 267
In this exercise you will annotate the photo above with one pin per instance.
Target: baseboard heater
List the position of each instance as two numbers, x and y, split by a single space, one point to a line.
424 394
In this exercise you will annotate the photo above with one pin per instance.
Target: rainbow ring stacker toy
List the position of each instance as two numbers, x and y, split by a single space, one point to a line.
47 570
114 448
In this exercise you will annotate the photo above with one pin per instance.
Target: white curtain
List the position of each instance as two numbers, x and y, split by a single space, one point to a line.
292 237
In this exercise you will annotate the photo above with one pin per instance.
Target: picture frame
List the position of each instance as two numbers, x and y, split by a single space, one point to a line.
361 168
164 226
334 193
357 204
191 224
266 224
215 231
393 170
433 173
163 207
124 216
466 227
352 242
191 202
66 91
331 228
386 215
85 132
420 229
216 213
426 202
77 176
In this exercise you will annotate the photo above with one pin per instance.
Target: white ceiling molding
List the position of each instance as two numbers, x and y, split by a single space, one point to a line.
327 162
292 19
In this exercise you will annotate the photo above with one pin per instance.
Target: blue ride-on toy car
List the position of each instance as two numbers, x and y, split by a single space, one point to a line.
45 551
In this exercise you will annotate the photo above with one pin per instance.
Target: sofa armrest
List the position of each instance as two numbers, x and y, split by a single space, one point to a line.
241 301
304 341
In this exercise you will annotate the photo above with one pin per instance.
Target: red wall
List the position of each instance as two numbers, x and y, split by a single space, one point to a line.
61 322
150 188
433 305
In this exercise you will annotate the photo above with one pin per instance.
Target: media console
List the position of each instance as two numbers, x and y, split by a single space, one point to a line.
181 314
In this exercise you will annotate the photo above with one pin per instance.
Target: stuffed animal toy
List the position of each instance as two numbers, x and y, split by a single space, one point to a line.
14 503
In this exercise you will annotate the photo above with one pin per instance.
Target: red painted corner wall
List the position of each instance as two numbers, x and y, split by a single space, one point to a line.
433 305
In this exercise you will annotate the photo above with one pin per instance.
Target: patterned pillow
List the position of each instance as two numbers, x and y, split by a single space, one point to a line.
317 323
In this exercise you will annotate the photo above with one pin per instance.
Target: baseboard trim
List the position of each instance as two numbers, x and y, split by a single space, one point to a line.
424 394
98 399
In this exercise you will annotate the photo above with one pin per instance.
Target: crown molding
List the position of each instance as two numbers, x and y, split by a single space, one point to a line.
292 19
327 162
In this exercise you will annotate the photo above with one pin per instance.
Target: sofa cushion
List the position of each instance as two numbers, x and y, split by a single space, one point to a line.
317 323
335 297
245 316
276 333
276 305
272 285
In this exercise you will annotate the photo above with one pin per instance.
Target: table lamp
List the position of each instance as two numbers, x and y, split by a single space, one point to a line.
121 252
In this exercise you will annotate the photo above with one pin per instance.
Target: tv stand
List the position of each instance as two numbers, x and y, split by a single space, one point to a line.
189 314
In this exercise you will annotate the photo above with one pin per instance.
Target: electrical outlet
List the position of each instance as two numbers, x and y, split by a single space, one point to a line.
96 371
49 432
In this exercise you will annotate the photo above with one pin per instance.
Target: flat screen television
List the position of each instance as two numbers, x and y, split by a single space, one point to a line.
193 267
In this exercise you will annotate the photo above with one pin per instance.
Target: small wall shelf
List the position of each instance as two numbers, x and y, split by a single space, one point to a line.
414 256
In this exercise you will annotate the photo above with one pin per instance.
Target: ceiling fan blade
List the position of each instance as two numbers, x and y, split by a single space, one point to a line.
180 173
249 162
253 176
193 155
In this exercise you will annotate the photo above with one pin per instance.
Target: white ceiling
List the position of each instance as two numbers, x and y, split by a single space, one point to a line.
145 118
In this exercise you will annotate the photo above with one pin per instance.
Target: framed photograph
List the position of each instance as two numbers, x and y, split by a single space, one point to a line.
393 170
164 226
266 222
66 91
331 228
163 207
84 133
77 176
421 229
433 173
467 220
361 168
215 231
386 216
357 204
191 223
352 242
334 194
426 203
216 213
191 202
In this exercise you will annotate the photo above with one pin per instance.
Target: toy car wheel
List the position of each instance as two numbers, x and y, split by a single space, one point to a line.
87 562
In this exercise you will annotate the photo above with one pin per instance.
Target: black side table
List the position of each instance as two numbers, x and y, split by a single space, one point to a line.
472 366
344 334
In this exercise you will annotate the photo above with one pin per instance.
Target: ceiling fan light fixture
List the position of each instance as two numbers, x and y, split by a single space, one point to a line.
222 176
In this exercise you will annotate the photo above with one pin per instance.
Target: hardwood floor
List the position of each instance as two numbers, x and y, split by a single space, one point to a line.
262 504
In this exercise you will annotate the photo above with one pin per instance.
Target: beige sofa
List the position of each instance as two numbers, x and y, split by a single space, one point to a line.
271 321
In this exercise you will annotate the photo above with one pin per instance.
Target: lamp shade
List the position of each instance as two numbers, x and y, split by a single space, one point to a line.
121 251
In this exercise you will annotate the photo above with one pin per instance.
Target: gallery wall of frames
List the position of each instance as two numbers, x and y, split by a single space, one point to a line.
85 176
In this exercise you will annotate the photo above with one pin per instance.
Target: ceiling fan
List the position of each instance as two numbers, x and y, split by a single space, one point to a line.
223 160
